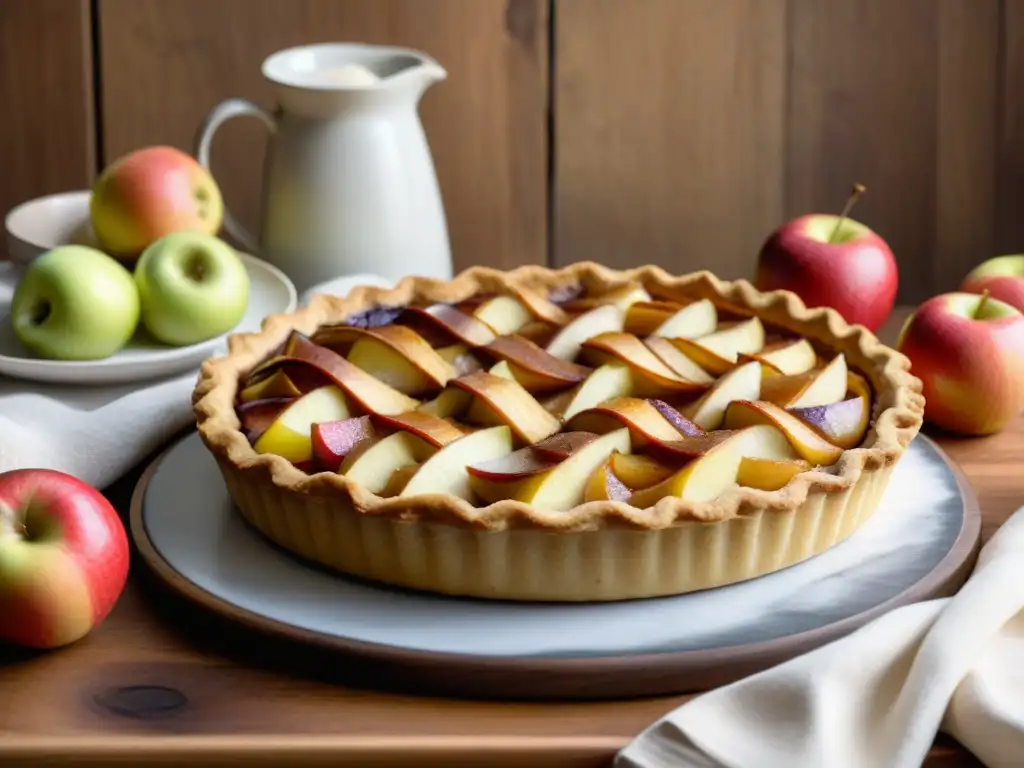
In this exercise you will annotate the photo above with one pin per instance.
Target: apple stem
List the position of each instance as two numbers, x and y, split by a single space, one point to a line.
858 190
981 304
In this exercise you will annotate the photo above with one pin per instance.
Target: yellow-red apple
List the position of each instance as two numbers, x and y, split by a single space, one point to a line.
1002 277
968 350
149 193
63 558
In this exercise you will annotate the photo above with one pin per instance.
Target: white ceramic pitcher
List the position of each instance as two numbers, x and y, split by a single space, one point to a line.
349 184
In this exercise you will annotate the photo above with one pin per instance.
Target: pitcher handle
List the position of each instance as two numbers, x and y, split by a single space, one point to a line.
216 117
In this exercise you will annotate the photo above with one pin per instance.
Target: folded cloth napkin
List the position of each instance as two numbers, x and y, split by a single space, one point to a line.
876 698
99 433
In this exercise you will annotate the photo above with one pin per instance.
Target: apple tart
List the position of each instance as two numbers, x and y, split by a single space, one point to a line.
581 434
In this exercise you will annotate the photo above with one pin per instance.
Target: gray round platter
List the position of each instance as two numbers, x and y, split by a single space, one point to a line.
920 544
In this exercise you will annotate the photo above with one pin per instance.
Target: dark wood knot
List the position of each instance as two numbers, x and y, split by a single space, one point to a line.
143 702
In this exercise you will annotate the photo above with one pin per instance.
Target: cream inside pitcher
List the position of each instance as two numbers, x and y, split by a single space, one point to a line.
349 184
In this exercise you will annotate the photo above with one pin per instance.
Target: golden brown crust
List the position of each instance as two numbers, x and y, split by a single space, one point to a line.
898 404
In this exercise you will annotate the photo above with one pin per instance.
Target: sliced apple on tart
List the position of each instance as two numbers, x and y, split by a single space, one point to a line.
637 470
715 469
431 429
789 356
717 352
533 367
741 383
256 416
678 362
290 434
607 382
363 389
604 485
446 471
503 314
806 441
843 423
690 322
560 487
444 324
334 440
374 461
567 342
497 400
820 386
276 385
651 376
645 423
769 474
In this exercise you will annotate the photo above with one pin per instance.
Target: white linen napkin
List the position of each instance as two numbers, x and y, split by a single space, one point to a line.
876 698
99 433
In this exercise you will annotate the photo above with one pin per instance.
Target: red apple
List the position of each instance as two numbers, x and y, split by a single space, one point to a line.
63 558
1002 277
149 193
968 350
832 261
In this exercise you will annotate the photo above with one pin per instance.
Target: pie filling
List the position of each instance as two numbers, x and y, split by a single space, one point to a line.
556 400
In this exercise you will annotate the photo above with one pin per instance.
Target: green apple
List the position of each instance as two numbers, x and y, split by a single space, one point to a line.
75 303
193 286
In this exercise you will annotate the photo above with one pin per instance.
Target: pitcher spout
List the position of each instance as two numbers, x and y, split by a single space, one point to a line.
418 71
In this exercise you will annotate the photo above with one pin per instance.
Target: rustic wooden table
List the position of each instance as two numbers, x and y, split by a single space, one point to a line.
162 683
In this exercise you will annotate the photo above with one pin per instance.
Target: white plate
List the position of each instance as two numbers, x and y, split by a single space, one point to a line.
922 529
271 292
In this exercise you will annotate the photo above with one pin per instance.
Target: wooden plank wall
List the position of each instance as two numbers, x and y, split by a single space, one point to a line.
47 136
678 132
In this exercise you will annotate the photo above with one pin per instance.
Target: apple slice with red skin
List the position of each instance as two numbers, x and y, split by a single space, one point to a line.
524 462
444 324
446 472
333 440
563 445
623 297
769 474
401 358
257 415
844 423
533 367
276 385
806 441
715 469
497 400
561 487
603 484
541 307
370 394
65 559
652 376
646 424
432 429
289 435
677 419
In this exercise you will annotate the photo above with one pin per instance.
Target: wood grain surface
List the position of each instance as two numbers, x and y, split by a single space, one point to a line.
164 64
47 130
163 680
686 131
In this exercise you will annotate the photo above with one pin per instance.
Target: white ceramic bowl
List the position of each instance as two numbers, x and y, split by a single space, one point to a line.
36 226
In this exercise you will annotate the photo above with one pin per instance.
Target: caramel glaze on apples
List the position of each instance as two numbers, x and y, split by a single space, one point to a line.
454 370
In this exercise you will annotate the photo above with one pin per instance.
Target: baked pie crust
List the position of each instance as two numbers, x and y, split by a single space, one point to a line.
599 550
